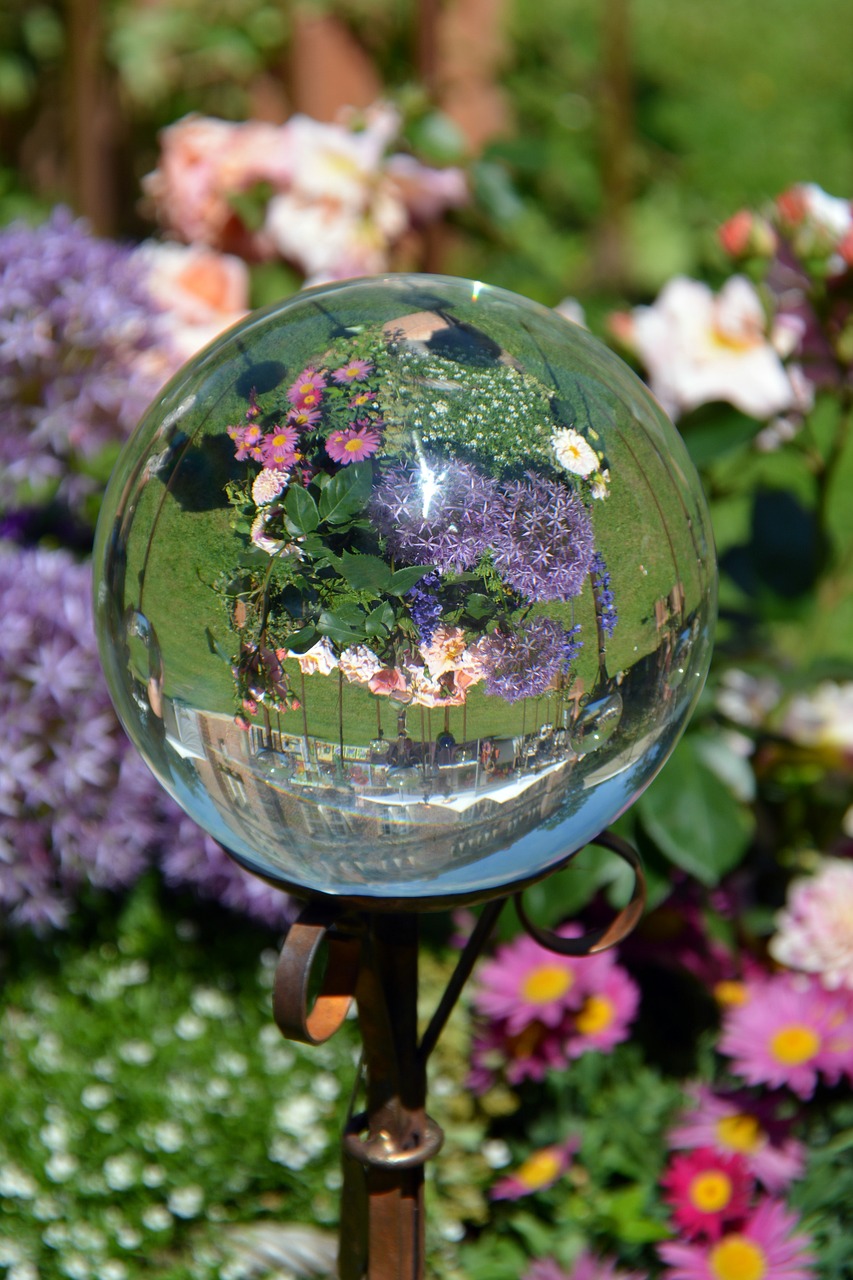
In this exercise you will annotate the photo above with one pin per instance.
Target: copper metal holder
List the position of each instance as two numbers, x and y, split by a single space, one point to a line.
372 958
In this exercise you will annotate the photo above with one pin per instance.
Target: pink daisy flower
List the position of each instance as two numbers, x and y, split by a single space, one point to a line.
279 448
307 391
303 418
737 1125
767 1247
782 1035
707 1191
248 440
362 398
524 983
538 1172
603 1019
354 371
352 445
527 1055
585 1267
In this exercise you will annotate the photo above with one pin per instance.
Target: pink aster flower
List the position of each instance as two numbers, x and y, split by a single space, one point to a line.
528 1055
738 1125
524 983
362 398
303 418
307 391
279 448
767 1247
586 1266
538 1172
603 1019
815 931
707 1192
352 445
249 441
782 1035
354 371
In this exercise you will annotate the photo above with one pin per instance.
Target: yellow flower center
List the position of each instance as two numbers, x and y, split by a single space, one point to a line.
710 1191
596 1014
731 993
794 1045
740 1133
539 1170
353 446
546 983
736 1258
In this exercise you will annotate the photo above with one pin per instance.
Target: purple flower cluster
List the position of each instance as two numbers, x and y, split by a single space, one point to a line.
440 513
425 606
82 352
543 545
76 802
605 600
523 663
447 514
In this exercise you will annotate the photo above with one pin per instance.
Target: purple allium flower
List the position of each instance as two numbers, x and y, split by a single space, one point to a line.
543 544
521 664
76 801
82 351
425 607
604 597
440 512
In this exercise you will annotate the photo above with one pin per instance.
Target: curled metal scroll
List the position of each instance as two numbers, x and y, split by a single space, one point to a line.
296 1017
608 935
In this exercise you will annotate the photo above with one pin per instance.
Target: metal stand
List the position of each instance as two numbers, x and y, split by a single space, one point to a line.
373 959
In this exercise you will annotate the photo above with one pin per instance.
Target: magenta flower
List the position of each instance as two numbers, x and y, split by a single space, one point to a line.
249 441
787 1033
527 1055
307 391
738 1125
767 1247
538 1172
524 983
707 1192
303 418
354 371
603 1019
279 448
352 445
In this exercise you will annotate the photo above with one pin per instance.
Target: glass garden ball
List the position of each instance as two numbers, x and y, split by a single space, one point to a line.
405 589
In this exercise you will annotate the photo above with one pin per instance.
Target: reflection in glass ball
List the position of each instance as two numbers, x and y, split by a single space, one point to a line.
405 589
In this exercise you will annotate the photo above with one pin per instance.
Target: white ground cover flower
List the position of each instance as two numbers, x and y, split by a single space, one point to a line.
815 930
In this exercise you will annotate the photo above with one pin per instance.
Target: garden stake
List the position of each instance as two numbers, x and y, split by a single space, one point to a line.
372 959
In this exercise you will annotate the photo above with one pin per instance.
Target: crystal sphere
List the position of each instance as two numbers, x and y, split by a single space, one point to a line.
405 589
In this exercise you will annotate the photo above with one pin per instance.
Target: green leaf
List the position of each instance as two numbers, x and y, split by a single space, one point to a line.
301 641
301 510
694 818
365 573
478 606
338 629
404 579
380 620
346 493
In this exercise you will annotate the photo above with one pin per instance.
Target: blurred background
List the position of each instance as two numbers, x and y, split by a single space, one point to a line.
604 141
